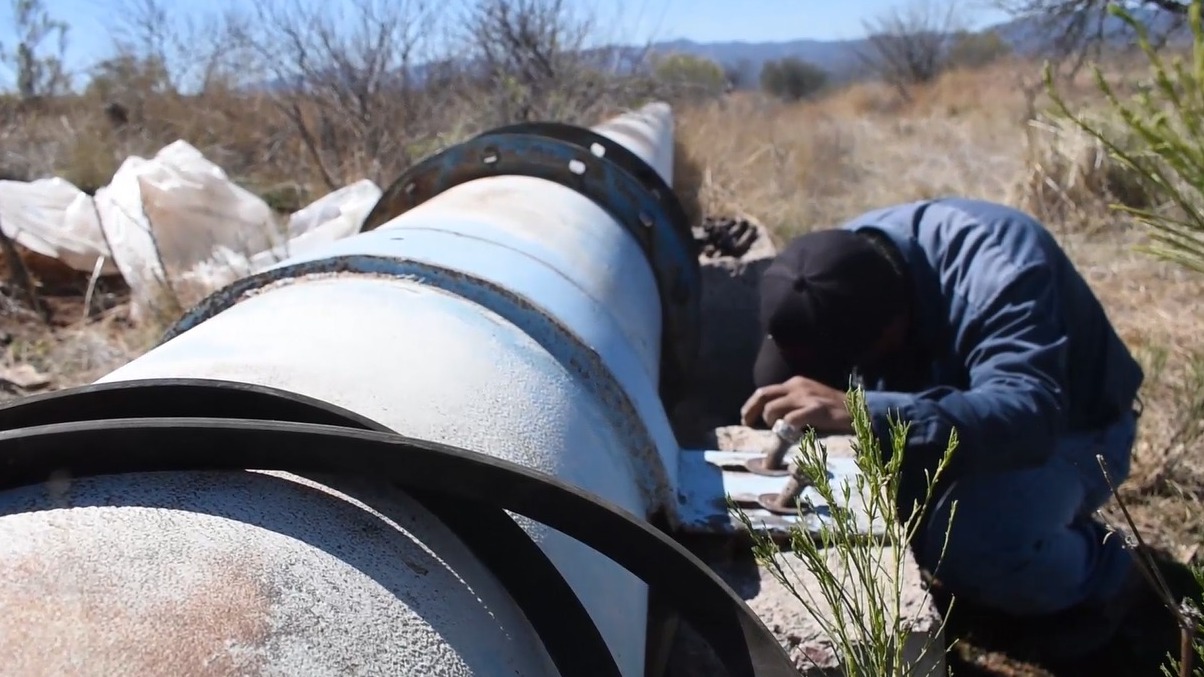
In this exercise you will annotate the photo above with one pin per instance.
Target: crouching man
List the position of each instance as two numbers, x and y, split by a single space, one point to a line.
967 315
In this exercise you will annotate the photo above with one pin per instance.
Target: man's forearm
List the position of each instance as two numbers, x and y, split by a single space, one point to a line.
996 430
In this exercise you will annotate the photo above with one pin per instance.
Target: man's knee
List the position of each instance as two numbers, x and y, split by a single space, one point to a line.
1004 575
970 551
1102 457
1016 564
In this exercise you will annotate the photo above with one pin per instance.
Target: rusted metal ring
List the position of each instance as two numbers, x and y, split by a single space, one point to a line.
672 257
617 153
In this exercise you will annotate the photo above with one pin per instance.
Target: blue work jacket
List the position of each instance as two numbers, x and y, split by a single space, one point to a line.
1009 345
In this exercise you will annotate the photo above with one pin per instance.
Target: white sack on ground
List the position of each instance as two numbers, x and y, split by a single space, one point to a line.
332 217
165 216
53 218
174 226
350 204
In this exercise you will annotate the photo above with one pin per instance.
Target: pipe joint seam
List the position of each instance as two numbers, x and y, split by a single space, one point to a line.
648 460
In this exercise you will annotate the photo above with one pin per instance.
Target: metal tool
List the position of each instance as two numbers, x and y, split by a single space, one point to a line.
786 501
773 463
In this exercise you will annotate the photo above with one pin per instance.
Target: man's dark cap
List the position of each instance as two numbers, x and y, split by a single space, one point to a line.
825 301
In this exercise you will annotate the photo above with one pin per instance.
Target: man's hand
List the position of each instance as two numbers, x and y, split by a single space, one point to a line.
802 403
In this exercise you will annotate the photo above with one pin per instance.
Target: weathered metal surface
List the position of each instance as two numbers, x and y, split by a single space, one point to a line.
123 425
706 479
435 365
245 574
566 330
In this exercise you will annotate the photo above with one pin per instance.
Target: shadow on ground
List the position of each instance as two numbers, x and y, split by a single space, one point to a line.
989 645
692 656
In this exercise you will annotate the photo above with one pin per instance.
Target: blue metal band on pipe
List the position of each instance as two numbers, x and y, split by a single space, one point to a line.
614 374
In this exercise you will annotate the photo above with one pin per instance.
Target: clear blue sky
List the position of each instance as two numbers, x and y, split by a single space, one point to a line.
92 21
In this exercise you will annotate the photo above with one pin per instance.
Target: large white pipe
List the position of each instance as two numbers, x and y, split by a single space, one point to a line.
510 316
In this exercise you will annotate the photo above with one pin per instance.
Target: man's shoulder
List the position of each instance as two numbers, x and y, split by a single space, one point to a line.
971 250
949 229
896 218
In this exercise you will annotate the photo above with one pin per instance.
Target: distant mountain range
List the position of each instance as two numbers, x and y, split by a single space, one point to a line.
842 58
1029 36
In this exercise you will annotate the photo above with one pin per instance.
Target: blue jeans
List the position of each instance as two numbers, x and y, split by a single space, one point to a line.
1025 542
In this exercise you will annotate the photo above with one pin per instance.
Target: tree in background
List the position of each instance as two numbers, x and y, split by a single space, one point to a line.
37 66
791 79
192 51
741 75
910 45
689 77
1072 32
975 50
347 87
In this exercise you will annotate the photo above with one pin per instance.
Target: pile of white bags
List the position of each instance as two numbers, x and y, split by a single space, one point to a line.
174 224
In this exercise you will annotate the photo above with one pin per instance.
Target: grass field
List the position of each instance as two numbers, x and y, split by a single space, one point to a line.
795 167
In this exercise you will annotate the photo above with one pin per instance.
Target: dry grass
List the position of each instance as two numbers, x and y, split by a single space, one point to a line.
805 166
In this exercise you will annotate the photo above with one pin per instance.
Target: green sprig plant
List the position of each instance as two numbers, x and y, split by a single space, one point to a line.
857 595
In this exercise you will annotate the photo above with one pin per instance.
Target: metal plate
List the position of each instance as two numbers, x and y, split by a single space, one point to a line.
706 478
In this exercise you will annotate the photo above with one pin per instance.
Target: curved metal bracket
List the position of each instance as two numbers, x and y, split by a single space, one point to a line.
605 147
571 637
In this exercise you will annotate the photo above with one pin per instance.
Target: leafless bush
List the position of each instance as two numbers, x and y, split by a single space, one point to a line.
909 46
533 59
345 83
36 56
1071 32
188 52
